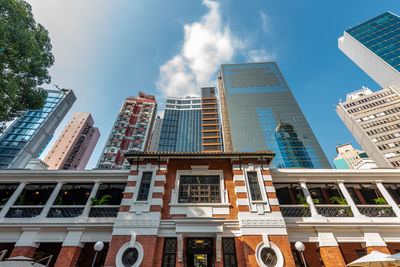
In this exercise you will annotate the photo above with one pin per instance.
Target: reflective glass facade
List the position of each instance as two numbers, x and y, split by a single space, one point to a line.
17 137
260 113
381 35
181 131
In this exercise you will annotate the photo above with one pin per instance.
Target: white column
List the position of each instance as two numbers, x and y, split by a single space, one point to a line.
12 200
218 244
180 248
310 202
349 200
51 199
388 198
86 210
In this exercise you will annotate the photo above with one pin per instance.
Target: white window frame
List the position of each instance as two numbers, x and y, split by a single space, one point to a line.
203 172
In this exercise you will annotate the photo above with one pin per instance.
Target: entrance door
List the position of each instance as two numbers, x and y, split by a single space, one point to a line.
199 252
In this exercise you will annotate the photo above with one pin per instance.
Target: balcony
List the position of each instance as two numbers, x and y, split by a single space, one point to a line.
334 210
59 211
104 211
24 211
295 211
376 210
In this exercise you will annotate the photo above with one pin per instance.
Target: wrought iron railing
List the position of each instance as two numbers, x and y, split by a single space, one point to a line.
376 210
295 211
65 211
24 211
334 210
104 211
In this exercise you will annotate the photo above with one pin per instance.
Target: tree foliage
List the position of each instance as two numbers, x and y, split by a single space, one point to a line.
24 62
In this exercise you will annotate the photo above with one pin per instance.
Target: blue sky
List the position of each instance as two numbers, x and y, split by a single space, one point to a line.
108 50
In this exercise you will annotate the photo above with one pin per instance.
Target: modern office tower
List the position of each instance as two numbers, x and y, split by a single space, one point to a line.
27 135
181 125
374 46
259 112
351 158
155 135
374 120
131 131
210 132
75 145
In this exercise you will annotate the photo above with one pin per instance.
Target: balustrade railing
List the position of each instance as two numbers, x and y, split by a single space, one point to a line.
334 210
65 211
295 211
24 211
104 211
376 210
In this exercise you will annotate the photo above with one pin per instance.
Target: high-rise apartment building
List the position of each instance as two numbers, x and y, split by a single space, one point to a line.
211 134
374 46
181 125
155 135
26 136
75 145
259 113
374 120
350 158
131 131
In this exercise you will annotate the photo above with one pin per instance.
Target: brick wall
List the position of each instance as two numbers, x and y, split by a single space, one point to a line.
116 242
23 251
349 251
332 257
310 254
68 256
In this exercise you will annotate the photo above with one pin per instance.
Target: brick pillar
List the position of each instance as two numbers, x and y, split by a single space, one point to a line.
116 242
380 249
68 256
240 256
282 242
149 243
332 257
23 251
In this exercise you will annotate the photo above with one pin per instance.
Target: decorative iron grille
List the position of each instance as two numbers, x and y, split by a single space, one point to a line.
24 212
65 212
335 211
103 211
376 211
295 211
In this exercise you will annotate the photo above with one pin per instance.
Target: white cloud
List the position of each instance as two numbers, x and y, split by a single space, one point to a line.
264 22
208 43
260 56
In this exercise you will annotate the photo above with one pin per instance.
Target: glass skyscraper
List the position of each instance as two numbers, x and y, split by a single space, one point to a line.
374 46
27 136
259 113
181 125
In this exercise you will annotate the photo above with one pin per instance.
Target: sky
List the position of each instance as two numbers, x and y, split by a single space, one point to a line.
108 50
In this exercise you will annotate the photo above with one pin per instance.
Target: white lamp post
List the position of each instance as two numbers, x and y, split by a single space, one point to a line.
97 247
300 248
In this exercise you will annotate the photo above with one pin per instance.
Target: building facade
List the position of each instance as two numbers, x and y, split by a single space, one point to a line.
155 134
351 158
75 145
191 124
259 112
374 47
210 131
181 125
373 119
26 137
131 131
200 209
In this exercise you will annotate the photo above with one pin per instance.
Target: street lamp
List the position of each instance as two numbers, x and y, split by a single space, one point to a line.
97 247
300 248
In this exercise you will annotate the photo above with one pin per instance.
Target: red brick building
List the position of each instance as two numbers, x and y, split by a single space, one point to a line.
200 209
